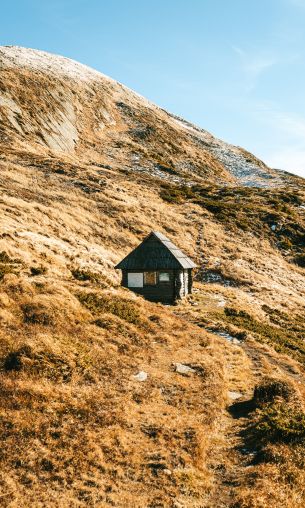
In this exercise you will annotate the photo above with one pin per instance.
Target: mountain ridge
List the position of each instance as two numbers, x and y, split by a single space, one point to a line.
72 126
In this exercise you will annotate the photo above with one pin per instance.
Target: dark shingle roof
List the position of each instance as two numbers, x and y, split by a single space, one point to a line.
156 252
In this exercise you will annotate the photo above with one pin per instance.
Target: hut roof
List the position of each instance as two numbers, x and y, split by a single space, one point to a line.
156 252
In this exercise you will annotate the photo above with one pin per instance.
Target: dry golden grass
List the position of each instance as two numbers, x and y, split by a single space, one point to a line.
77 429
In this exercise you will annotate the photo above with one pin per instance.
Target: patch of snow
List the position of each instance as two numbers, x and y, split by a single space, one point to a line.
224 335
221 303
12 56
248 172
213 277
158 173
183 124
42 61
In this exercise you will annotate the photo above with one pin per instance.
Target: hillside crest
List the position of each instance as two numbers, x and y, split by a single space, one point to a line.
50 103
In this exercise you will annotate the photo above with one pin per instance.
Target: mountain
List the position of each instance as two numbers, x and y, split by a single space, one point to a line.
88 168
55 104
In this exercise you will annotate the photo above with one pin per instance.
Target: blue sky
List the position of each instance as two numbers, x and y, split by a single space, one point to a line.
234 67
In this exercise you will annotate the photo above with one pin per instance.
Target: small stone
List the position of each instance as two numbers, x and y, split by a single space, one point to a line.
235 341
141 376
183 369
234 395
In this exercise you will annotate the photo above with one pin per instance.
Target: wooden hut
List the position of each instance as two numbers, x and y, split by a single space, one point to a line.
157 270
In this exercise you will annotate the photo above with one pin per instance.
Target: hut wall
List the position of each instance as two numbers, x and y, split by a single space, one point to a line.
161 292
179 285
190 280
186 282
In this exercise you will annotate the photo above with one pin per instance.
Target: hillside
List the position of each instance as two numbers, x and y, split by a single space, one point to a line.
89 167
53 103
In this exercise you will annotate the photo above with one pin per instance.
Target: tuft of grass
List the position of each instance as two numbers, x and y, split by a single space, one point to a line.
38 270
7 264
36 314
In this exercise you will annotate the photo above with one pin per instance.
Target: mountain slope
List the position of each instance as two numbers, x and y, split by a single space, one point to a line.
53 103
87 168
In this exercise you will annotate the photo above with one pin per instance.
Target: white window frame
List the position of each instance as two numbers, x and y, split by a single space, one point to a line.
135 279
167 279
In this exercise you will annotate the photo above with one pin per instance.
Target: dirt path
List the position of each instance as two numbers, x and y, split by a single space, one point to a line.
234 458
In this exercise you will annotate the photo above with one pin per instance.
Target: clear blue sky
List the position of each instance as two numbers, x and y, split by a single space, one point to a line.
234 67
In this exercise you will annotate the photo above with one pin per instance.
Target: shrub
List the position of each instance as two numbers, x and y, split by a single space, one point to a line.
230 311
300 260
4 269
40 362
287 339
116 305
13 360
286 244
4 258
271 389
85 275
279 422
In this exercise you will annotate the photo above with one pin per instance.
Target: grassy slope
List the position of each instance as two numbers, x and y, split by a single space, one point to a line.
78 429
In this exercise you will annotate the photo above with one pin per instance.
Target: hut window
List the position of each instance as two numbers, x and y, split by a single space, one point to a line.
150 278
164 277
135 280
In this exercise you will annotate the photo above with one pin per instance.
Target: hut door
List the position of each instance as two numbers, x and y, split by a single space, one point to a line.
135 280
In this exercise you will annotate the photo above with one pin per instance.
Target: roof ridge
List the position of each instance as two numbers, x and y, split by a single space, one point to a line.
150 259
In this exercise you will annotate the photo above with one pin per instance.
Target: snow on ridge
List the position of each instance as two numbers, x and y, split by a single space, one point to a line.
35 59
17 56
248 173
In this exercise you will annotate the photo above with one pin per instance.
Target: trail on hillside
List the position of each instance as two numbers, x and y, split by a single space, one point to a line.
236 457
